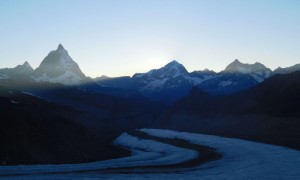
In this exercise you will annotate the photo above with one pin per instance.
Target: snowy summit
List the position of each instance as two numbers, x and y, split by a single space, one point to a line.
59 67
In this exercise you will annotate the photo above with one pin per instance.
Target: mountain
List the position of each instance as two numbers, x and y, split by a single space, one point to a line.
170 70
237 76
227 83
59 67
268 112
36 131
257 70
173 81
20 71
287 70
165 84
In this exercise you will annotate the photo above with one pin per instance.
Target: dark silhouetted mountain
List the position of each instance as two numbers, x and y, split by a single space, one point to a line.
59 67
102 112
228 82
35 131
268 112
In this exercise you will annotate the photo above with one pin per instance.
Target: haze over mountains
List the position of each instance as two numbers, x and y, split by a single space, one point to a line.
59 111
165 84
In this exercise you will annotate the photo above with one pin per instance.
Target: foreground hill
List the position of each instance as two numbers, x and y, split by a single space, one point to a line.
34 131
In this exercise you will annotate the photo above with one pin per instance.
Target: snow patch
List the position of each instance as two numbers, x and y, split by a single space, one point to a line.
31 94
68 78
156 83
14 102
225 83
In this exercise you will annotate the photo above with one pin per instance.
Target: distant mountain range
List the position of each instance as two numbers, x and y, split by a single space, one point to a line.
165 84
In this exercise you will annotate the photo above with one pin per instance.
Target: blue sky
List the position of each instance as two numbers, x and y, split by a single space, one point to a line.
121 37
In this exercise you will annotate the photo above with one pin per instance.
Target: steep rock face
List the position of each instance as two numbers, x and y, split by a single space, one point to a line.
59 67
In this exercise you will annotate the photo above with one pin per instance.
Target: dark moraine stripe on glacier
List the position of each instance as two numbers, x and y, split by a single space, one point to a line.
206 154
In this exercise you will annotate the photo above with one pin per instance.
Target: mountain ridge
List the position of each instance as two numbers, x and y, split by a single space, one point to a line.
165 84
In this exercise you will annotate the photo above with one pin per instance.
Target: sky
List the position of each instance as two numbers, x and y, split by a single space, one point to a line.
122 37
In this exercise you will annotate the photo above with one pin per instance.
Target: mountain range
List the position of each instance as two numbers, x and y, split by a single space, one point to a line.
268 112
166 84
56 114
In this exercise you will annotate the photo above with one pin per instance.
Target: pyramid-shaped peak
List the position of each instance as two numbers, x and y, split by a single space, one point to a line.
59 67
236 61
27 65
234 65
60 46
61 49
174 62
174 67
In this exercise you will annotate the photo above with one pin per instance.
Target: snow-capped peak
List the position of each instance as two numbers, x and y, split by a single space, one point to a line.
257 70
237 66
172 69
59 67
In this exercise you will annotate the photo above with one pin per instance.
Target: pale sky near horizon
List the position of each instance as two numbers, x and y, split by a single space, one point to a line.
122 37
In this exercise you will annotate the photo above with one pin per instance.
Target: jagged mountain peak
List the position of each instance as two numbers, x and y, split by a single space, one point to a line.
24 69
26 65
173 63
60 46
61 49
237 66
236 61
59 67
257 70
233 66
172 69
175 66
